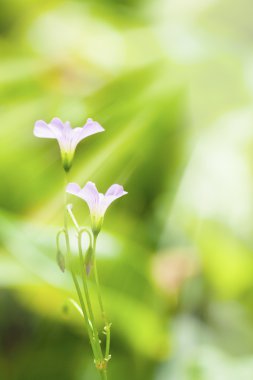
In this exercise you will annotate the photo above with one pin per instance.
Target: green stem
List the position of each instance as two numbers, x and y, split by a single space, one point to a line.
107 327
104 375
86 291
108 342
97 281
69 209
82 303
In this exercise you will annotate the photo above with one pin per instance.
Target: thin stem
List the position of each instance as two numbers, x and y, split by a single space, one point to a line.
107 328
108 342
82 303
65 203
97 281
69 209
62 231
77 227
86 291
104 375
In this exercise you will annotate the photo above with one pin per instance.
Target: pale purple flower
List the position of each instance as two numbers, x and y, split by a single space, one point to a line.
67 137
97 202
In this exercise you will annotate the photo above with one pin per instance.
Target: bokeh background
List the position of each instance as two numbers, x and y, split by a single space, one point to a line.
172 83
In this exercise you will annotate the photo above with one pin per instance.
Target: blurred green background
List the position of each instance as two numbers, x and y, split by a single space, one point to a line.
171 81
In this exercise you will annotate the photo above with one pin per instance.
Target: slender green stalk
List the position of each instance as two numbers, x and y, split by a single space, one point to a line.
107 328
108 342
97 281
102 364
86 291
79 293
69 209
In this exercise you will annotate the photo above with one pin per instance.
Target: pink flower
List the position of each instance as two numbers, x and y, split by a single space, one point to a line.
97 202
67 137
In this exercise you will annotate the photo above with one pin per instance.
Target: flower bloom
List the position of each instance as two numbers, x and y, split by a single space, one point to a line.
97 202
67 137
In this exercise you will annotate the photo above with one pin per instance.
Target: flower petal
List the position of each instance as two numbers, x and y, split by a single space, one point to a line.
56 122
62 132
89 194
90 128
114 192
41 129
73 188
